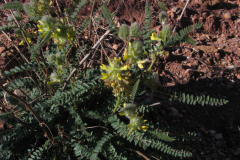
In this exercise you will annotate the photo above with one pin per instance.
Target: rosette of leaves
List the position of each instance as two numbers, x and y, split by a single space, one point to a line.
133 54
116 76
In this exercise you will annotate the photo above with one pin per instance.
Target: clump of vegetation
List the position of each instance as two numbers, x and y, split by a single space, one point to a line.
90 114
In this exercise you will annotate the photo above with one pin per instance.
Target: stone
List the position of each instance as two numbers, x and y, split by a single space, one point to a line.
2 125
219 136
212 132
227 15
2 49
236 153
219 143
173 112
115 47
189 72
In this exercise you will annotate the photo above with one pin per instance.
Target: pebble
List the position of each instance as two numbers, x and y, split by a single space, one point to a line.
219 143
2 125
236 153
115 47
176 10
212 132
238 21
189 72
173 112
2 49
227 15
219 136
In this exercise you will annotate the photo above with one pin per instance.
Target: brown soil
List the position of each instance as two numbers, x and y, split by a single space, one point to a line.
211 67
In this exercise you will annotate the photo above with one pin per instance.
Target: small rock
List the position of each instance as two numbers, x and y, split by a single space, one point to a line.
219 136
231 67
237 21
217 55
19 93
189 72
176 10
2 49
173 112
115 47
219 143
236 153
212 132
2 125
227 15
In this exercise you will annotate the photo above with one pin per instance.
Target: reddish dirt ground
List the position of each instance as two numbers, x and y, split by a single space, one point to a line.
211 67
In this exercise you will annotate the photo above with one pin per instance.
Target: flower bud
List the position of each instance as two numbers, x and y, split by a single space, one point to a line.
163 17
54 77
166 32
134 29
129 109
137 46
123 32
51 59
59 58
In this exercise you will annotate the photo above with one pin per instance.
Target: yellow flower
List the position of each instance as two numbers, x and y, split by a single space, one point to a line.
116 76
136 123
140 64
154 37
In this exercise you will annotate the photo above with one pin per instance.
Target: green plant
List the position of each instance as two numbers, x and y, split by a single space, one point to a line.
68 115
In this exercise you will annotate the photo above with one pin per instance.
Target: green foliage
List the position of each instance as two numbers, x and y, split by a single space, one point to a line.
8 27
108 16
162 6
77 10
182 37
12 5
147 25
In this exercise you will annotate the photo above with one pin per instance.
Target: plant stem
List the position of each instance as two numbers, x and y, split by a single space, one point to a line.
119 98
150 67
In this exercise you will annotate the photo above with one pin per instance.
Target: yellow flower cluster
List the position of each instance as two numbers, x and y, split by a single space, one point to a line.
136 122
61 33
116 76
132 56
